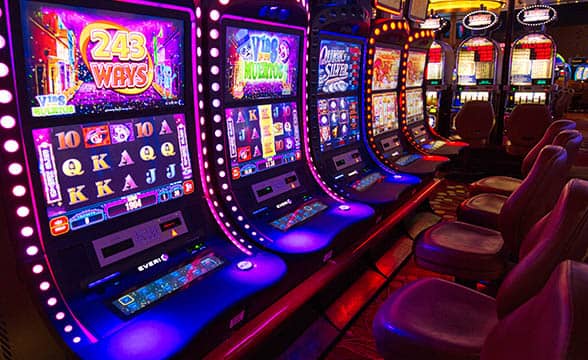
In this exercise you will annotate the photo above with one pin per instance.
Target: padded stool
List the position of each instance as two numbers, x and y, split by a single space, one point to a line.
474 122
525 126
477 253
505 185
437 319
484 209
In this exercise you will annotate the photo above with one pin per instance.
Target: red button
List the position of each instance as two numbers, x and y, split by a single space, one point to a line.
59 226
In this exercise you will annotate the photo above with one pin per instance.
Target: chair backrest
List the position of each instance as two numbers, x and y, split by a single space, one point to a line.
555 128
571 141
550 326
525 127
474 122
562 234
534 198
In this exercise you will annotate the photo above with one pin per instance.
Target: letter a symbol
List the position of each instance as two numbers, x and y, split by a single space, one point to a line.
129 183
165 129
125 159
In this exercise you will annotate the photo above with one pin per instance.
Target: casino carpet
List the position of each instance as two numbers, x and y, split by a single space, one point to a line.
357 343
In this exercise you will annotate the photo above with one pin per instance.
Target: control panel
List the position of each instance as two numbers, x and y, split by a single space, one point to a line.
299 215
140 298
367 181
120 245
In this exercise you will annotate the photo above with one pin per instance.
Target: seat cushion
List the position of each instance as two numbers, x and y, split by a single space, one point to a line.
502 185
434 319
463 250
482 209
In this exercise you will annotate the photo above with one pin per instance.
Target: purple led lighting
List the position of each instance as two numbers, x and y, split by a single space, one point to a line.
76 340
5 96
7 122
200 145
44 286
15 169
60 315
11 146
27 231
37 269
19 191
68 328
32 250
52 301
23 211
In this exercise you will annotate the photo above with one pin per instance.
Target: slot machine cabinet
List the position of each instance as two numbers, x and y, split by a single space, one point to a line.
336 61
532 60
478 60
439 77
531 70
257 155
386 126
102 186
418 131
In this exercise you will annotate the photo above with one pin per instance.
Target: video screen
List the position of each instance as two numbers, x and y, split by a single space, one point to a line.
415 68
95 172
262 137
260 64
435 65
414 106
339 66
386 65
88 61
385 114
532 61
338 122
475 63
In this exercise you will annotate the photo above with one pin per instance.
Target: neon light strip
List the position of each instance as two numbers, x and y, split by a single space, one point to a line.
84 330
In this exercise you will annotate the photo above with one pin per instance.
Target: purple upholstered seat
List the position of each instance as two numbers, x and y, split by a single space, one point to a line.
437 319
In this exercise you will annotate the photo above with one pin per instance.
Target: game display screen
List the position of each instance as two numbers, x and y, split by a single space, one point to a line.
435 65
415 68
475 62
260 64
339 66
262 137
386 65
414 106
89 61
338 122
385 113
95 172
532 61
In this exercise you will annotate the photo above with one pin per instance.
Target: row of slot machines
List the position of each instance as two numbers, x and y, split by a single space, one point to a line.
170 168
473 72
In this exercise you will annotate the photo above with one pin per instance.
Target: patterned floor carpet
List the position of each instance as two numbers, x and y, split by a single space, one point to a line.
358 343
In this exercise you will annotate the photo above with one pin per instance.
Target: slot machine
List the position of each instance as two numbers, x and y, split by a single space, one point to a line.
106 217
439 76
386 106
532 61
579 69
478 60
258 167
418 131
563 70
336 61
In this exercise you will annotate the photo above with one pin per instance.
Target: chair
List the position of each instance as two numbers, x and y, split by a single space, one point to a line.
474 122
477 253
552 325
437 319
525 126
505 185
484 209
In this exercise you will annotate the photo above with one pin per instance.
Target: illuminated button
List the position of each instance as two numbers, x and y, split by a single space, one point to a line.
245 265
344 207
58 226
